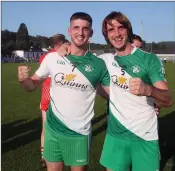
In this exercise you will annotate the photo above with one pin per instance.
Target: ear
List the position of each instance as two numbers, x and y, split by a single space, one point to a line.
69 31
91 34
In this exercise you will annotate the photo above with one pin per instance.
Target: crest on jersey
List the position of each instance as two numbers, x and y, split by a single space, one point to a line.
136 69
88 68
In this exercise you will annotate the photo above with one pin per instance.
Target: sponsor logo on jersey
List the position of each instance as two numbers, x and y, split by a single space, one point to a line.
120 81
115 64
61 62
136 69
88 68
68 80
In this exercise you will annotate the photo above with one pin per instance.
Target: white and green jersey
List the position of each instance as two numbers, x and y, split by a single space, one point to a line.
73 88
132 116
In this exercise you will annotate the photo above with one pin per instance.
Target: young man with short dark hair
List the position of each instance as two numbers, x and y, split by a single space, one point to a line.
73 89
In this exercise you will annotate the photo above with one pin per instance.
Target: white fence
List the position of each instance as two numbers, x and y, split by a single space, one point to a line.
34 56
168 57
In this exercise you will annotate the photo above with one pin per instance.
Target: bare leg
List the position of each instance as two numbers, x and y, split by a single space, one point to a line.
112 170
42 132
43 163
108 170
78 168
55 166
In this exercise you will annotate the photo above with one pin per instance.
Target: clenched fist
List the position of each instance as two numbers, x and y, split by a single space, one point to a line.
23 73
139 88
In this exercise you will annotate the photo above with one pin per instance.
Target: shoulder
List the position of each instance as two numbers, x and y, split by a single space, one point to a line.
95 59
141 52
44 55
49 57
97 62
151 57
151 60
146 56
107 57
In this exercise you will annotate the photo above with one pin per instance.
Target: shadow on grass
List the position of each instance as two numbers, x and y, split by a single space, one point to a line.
167 139
19 133
99 118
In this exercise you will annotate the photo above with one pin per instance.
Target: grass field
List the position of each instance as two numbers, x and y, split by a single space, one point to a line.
21 125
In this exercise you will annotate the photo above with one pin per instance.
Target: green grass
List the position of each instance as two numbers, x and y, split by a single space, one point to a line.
21 125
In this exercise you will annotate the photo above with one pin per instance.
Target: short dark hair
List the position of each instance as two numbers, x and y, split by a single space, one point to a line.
66 41
137 37
122 19
81 15
57 38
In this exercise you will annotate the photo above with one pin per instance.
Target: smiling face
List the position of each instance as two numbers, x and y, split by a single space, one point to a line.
117 31
80 31
117 34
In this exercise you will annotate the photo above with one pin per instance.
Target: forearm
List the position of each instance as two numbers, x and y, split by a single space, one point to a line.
162 97
28 84
102 92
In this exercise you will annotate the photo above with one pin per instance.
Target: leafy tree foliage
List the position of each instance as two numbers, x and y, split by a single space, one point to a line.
23 41
22 38
8 41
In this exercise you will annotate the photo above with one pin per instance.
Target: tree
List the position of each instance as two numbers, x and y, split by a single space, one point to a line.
22 38
155 46
8 40
163 46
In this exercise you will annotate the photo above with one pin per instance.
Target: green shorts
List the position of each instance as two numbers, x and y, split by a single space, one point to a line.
72 150
119 153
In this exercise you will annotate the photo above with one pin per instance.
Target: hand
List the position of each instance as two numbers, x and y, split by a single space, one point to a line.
157 108
64 49
23 73
139 88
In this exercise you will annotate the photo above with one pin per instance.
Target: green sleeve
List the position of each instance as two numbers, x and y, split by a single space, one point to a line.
156 69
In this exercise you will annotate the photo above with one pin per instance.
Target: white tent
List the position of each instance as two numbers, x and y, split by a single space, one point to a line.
19 53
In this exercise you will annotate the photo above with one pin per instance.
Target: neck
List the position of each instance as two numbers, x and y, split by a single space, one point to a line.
56 47
78 51
125 51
